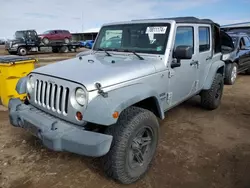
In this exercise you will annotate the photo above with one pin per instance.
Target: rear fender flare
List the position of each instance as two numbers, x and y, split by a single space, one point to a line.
218 66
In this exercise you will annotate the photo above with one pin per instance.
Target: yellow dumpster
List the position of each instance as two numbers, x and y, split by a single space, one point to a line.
12 68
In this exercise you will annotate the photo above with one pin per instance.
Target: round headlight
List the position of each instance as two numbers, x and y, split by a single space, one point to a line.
80 97
30 84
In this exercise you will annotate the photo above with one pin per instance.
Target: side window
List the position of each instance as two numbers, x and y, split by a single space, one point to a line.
184 36
247 42
204 39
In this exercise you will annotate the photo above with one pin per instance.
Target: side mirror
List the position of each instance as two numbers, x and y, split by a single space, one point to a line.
183 52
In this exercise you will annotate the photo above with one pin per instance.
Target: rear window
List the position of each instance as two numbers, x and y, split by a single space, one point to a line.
204 39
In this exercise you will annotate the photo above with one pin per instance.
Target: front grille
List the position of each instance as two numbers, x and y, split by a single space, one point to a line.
52 96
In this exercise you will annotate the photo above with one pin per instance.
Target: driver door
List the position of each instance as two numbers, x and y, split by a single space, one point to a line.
183 81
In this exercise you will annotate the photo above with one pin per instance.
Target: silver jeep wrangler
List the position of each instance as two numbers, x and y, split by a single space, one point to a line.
106 102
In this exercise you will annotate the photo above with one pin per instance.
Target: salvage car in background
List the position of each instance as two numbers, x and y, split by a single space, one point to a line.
237 61
89 44
56 35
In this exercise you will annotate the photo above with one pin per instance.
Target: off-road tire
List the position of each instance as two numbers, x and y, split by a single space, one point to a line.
22 51
45 41
116 162
247 71
211 99
230 75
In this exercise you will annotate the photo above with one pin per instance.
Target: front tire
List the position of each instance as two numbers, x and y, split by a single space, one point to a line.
22 51
211 99
135 139
231 73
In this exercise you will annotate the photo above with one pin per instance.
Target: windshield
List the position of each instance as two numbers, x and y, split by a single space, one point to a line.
46 32
142 38
19 34
234 39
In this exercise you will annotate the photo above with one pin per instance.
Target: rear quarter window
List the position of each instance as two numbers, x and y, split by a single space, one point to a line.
204 39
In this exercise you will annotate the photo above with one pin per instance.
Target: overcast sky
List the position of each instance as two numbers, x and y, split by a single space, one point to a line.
78 15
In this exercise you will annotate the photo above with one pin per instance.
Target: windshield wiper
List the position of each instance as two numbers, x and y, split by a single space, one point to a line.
136 54
140 57
102 49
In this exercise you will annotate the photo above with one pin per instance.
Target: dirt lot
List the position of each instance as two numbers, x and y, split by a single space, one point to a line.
198 149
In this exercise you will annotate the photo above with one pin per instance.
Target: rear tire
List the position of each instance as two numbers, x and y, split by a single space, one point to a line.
22 51
64 49
211 99
231 73
55 50
135 139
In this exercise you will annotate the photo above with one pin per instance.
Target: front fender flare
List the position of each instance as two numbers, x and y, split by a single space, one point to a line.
100 109
211 74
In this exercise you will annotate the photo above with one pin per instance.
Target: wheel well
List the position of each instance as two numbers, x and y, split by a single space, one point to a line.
149 104
221 70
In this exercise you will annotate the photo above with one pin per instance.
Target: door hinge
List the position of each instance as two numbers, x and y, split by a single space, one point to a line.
170 73
169 97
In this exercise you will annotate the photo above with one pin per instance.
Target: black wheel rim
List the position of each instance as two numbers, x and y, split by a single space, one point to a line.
140 148
218 91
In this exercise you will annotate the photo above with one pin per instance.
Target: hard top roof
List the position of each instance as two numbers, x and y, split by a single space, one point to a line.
26 30
189 19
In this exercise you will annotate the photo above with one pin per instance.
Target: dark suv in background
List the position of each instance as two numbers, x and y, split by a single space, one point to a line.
237 61
56 35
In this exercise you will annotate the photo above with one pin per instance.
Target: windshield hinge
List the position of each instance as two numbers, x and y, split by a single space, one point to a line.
170 73
100 91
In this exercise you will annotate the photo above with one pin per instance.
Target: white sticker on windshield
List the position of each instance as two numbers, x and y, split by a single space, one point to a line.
156 30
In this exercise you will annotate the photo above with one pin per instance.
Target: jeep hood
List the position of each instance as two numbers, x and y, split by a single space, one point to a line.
92 68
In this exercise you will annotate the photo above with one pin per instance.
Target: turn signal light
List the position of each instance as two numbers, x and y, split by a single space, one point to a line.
115 115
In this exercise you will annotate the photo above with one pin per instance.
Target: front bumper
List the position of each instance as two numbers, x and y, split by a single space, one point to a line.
11 49
56 134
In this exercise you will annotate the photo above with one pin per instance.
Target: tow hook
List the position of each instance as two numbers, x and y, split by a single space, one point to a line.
100 91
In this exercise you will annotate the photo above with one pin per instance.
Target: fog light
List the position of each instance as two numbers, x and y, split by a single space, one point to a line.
79 116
